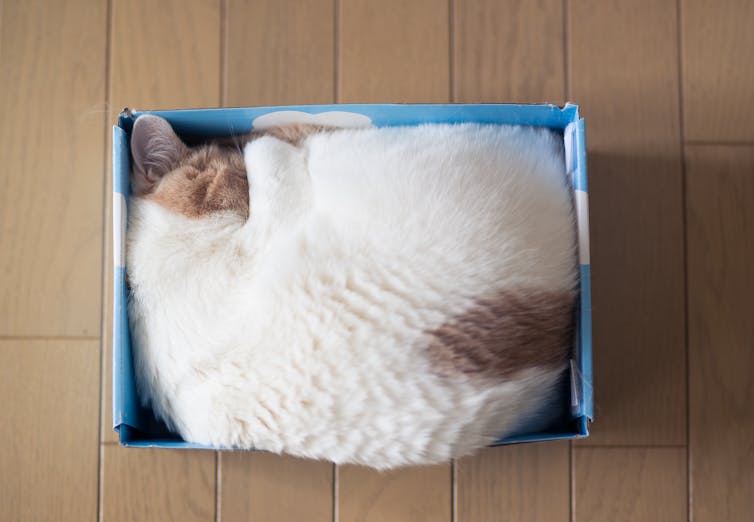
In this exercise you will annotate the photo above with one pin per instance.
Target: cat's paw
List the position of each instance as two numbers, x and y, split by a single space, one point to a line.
278 178
267 159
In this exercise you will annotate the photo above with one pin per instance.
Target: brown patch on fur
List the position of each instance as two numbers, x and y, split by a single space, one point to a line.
504 334
210 179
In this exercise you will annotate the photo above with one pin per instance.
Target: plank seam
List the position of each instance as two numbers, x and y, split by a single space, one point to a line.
451 51
223 52
336 51
335 487
454 490
103 268
684 220
566 50
218 486
721 143
57 337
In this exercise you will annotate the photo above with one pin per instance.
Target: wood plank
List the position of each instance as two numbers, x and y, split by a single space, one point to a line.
51 144
624 73
143 485
508 51
1 25
519 482
165 55
280 52
171 58
720 228
511 51
175 62
412 494
630 484
261 486
48 438
718 86
394 51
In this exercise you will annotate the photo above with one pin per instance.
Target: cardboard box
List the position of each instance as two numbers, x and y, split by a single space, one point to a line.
137 426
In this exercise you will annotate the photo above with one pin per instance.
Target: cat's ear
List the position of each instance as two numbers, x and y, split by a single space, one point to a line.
156 150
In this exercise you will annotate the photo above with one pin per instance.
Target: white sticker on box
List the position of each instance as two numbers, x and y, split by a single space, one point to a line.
582 221
332 118
119 230
568 148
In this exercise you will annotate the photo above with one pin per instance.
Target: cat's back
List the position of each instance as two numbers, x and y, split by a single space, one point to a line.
441 163
461 199
429 290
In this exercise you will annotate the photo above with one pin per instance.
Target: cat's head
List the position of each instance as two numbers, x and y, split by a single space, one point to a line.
194 181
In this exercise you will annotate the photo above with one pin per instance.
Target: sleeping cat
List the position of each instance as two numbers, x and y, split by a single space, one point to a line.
381 296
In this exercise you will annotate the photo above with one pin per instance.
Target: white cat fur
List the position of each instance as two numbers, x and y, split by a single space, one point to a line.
303 329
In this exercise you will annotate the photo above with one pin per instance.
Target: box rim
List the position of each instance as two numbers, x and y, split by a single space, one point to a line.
125 403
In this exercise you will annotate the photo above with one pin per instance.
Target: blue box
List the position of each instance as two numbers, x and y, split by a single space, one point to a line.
137 426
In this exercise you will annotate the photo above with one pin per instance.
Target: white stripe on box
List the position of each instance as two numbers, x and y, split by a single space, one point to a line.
582 221
330 118
119 230
568 150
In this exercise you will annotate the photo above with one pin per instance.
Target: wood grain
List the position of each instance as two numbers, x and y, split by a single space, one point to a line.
720 217
51 145
165 55
48 430
624 74
394 51
170 59
144 485
511 51
413 494
261 486
1 25
512 483
280 52
508 51
623 71
630 484
718 80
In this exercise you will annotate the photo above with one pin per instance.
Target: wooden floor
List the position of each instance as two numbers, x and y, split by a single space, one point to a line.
667 88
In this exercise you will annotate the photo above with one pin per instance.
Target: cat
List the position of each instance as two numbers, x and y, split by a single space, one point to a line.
378 296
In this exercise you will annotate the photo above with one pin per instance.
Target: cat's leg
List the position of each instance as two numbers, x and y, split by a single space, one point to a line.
279 184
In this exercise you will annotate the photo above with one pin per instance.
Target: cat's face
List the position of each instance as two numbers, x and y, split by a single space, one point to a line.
194 181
